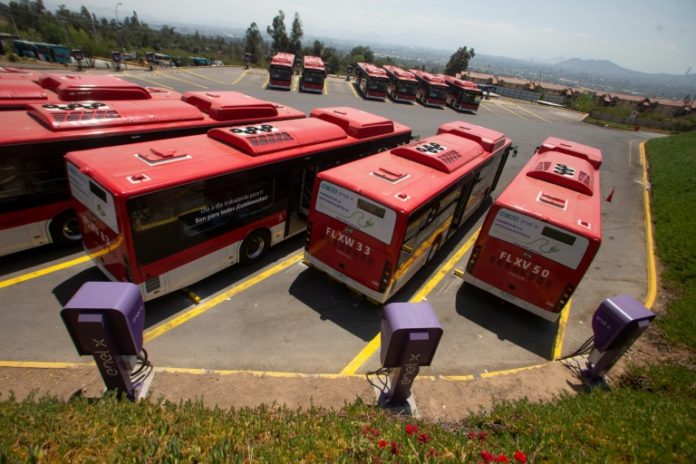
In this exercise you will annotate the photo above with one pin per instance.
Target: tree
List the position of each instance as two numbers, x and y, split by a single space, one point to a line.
253 43
459 61
278 33
361 53
295 45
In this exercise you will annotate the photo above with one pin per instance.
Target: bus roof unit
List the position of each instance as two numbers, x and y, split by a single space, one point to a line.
313 62
399 73
230 105
283 59
72 87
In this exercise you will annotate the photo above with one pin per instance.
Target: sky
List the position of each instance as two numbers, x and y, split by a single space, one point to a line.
650 36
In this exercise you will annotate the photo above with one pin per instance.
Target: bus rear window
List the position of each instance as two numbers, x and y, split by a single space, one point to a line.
537 236
352 209
558 235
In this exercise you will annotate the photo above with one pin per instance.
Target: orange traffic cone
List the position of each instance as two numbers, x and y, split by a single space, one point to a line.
610 197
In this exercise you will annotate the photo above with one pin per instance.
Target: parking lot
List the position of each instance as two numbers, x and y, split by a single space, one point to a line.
280 316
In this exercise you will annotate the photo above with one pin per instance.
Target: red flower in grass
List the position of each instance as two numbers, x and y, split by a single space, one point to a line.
501 458
487 456
382 443
471 435
423 438
411 429
367 430
482 435
394 448
520 456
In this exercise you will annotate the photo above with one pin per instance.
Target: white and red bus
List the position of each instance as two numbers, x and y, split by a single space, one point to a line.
169 213
432 89
463 95
56 88
35 203
281 71
371 80
543 230
313 74
374 222
402 84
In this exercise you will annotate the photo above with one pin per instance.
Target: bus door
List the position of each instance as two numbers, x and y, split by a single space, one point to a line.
300 197
465 189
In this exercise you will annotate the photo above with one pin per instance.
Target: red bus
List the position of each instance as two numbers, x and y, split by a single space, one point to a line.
280 71
402 84
313 74
169 213
543 230
56 88
35 204
101 87
7 72
372 81
374 222
432 89
463 95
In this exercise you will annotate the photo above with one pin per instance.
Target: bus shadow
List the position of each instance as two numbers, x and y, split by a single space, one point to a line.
34 257
66 289
335 303
506 320
162 308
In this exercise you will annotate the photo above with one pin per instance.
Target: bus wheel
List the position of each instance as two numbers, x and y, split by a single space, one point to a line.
65 229
254 246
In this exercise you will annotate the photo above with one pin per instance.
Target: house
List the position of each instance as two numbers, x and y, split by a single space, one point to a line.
479 78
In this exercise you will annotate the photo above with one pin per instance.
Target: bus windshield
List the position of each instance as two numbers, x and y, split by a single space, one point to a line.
313 76
470 97
281 73
437 92
407 88
357 211
377 84
539 237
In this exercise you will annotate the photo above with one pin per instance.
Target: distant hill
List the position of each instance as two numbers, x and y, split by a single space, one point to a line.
598 68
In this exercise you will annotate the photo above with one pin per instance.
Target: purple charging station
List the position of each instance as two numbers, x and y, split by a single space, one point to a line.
106 320
616 324
409 338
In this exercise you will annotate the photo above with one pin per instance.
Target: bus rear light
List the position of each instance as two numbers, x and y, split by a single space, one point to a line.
308 235
565 296
474 257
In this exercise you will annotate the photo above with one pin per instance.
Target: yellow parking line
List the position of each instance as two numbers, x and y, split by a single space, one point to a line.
201 76
649 243
161 329
362 357
489 107
560 334
532 113
325 90
168 75
295 83
151 81
42 365
43 272
352 89
487 375
244 73
265 83
509 110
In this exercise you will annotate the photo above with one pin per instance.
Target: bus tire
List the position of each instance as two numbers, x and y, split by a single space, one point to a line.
65 229
254 246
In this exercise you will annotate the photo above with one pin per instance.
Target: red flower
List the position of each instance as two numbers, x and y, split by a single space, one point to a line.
423 438
520 456
502 458
367 430
382 443
471 435
394 448
487 456
411 429
482 435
